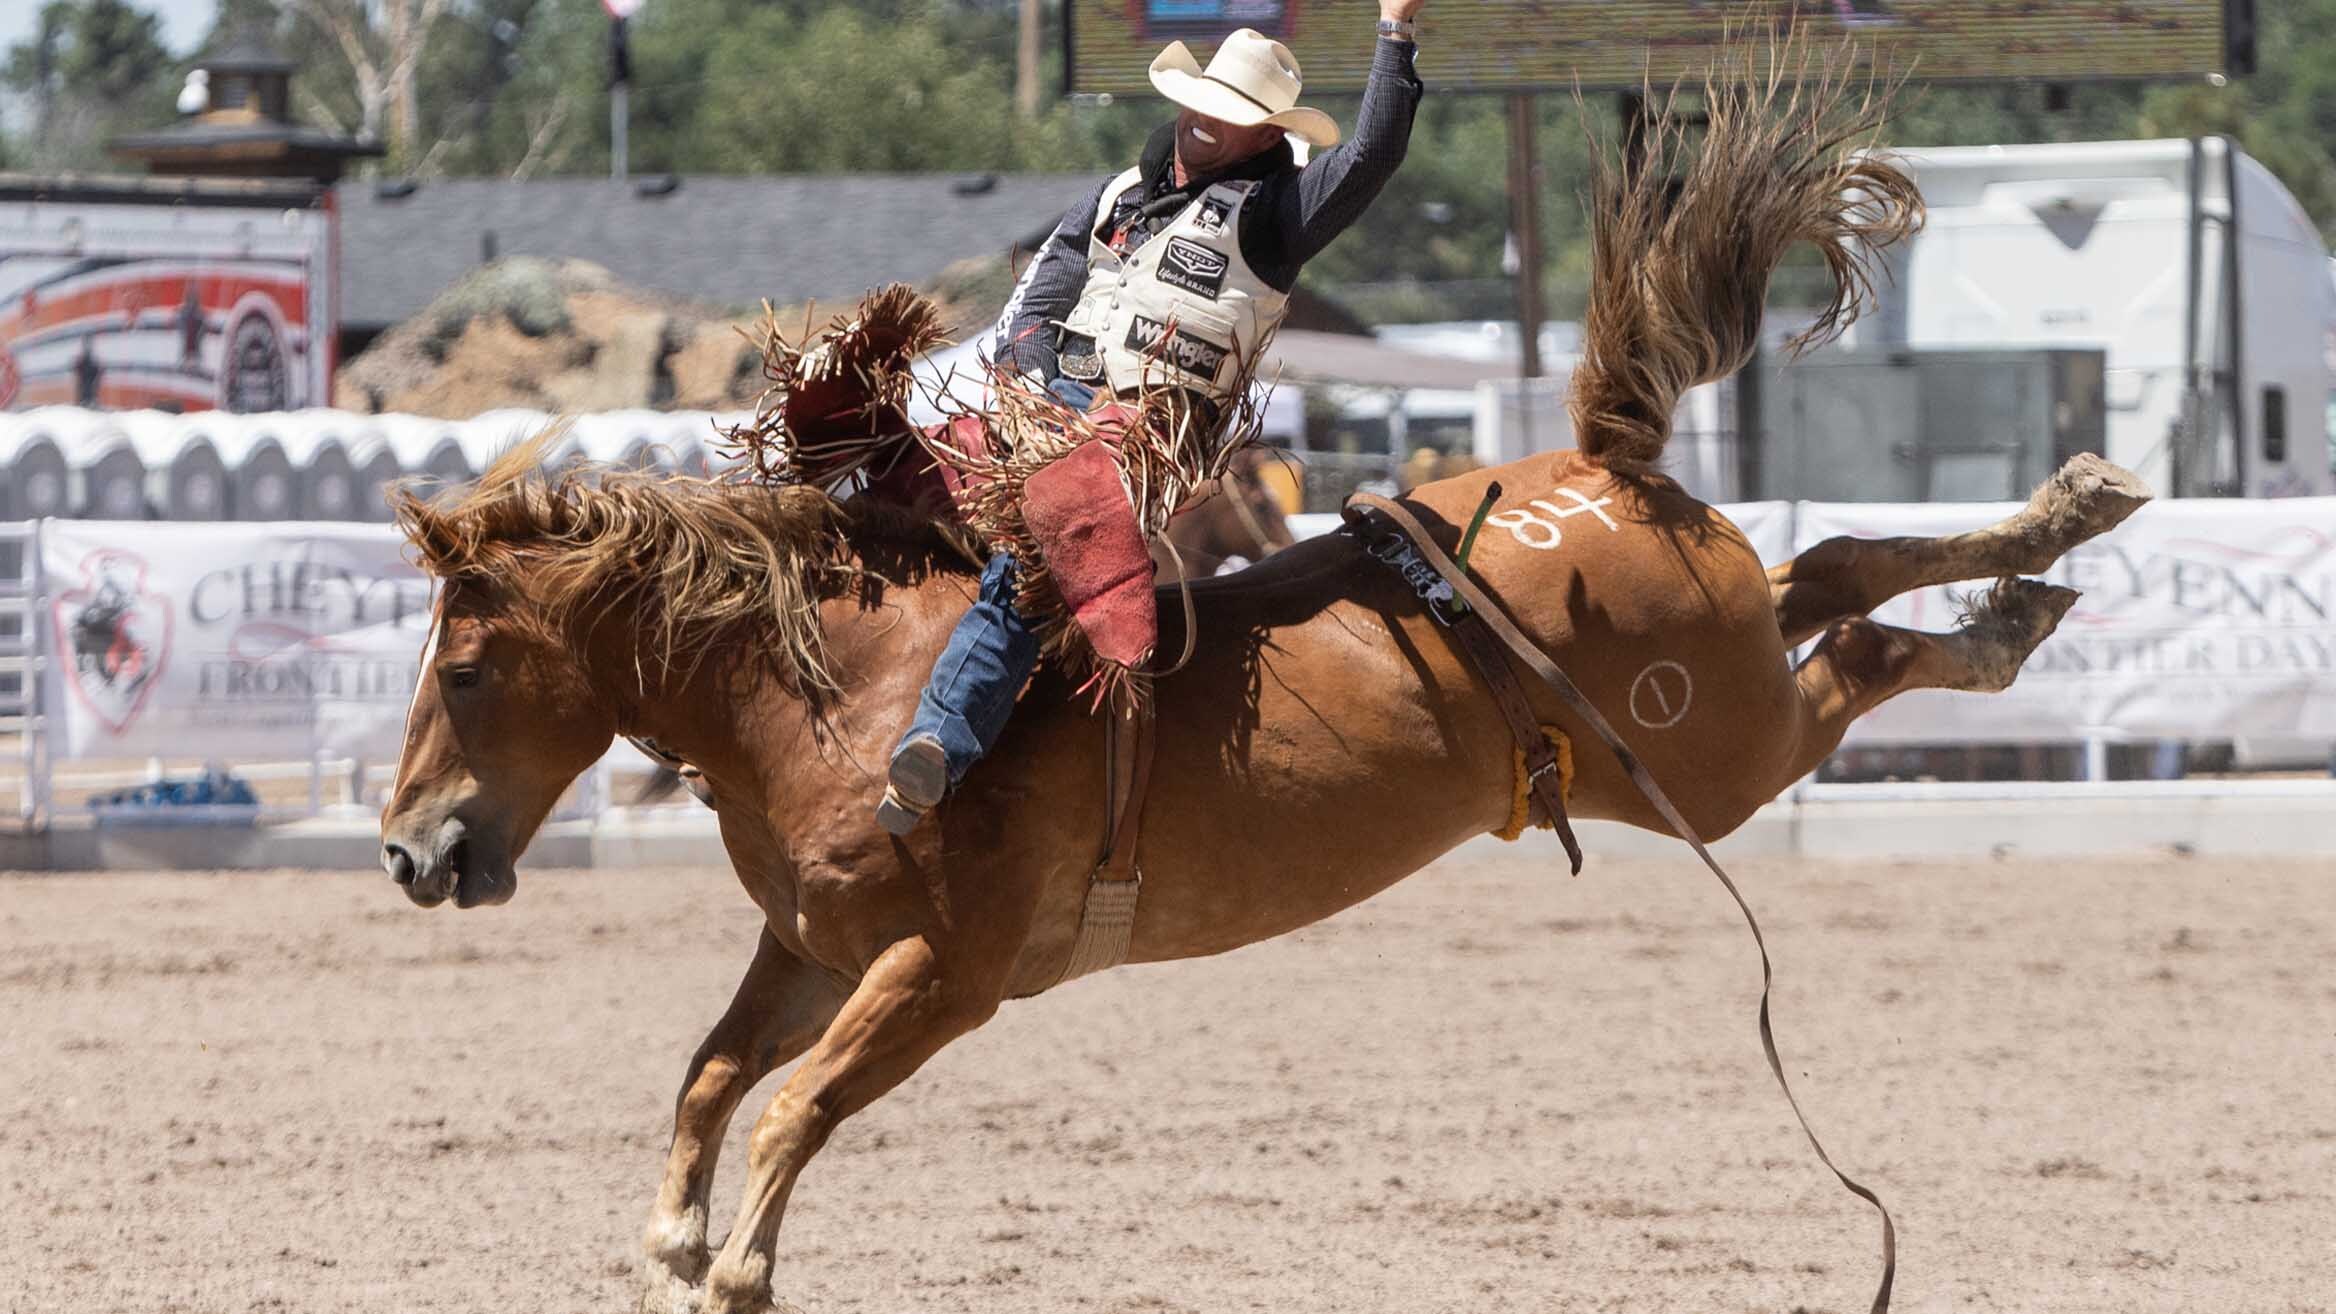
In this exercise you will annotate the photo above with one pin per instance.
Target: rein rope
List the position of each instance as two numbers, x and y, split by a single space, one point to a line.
1183 593
1497 620
1247 515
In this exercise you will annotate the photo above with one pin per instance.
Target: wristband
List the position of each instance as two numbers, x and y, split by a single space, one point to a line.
1398 29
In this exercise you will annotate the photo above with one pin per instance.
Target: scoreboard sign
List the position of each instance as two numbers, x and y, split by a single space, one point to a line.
1519 45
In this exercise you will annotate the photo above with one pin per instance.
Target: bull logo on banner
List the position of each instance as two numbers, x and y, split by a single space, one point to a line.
116 637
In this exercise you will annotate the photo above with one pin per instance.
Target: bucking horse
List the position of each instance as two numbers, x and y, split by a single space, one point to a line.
1326 738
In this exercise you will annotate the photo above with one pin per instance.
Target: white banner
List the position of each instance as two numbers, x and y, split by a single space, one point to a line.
233 641
2201 620
1767 525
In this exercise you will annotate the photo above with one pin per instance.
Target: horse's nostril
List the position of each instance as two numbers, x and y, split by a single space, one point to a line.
398 863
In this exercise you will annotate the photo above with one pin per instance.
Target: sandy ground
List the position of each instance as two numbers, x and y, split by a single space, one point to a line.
2082 1086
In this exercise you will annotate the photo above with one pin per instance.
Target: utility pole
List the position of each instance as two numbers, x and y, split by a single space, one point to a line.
1026 60
620 77
1525 227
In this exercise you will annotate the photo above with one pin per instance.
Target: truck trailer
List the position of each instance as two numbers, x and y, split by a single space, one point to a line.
175 294
2185 262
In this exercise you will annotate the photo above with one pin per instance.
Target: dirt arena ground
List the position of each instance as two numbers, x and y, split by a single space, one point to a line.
2083 1086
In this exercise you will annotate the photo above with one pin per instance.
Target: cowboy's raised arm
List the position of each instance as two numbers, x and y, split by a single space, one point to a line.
1047 290
1340 183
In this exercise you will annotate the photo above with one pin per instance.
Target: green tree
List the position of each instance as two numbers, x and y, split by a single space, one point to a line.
2284 115
517 88
772 101
91 70
375 50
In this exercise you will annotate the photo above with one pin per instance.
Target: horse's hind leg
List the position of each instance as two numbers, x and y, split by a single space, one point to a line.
1860 663
1852 576
780 1008
905 1009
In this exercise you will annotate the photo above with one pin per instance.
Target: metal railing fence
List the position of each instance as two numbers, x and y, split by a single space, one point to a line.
21 668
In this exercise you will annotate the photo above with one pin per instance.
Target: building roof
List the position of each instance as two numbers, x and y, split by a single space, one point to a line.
121 187
217 135
247 51
729 241
1301 356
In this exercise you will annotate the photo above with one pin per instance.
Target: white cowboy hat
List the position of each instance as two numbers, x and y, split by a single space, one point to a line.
1252 79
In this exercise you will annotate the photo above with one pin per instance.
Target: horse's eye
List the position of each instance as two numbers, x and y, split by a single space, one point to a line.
464 677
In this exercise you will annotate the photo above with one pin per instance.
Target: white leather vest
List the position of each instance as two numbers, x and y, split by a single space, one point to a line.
1190 275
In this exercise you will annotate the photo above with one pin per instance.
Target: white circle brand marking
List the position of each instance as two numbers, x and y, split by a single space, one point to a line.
1661 695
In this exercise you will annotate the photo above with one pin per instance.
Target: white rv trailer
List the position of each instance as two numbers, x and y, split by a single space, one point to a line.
2217 350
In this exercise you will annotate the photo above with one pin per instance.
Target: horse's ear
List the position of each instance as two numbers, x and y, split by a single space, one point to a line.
425 527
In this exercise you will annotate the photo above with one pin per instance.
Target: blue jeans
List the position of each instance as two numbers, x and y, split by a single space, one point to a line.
970 696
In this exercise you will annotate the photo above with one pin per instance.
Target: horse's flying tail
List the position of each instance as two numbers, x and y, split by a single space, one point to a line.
1685 242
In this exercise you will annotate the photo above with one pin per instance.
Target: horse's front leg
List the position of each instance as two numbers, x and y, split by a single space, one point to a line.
912 1001
780 1008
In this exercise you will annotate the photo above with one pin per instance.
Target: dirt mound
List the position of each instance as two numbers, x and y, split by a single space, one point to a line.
557 336
569 336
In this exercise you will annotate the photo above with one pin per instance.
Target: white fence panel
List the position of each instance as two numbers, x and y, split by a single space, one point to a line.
21 666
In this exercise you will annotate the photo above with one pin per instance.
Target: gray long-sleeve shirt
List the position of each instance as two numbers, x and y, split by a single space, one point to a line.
1295 214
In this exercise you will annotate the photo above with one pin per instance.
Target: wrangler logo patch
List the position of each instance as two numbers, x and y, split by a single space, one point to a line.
1214 215
1185 352
1193 267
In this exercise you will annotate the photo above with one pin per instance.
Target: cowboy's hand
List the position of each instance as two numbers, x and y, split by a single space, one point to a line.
1400 11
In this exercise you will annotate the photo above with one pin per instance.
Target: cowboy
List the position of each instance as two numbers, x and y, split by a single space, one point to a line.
1175 274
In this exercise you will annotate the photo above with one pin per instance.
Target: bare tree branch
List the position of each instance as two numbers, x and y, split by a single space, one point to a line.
339 25
320 113
545 131
384 46
428 167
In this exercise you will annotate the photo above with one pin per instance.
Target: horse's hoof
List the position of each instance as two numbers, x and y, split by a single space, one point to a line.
2006 624
2027 609
2088 497
764 1304
664 1291
745 1290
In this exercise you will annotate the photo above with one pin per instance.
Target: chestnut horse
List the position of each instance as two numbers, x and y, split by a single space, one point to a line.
1325 740
1232 522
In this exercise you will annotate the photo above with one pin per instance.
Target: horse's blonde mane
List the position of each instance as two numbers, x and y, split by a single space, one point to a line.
701 563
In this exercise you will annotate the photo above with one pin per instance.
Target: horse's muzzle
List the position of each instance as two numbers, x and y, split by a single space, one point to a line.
451 863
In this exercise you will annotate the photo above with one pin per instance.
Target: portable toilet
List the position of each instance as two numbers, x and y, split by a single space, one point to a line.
111 475
193 486
266 485
186 479
35 481
329 483
376 468
429 452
